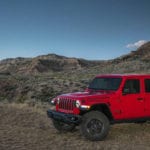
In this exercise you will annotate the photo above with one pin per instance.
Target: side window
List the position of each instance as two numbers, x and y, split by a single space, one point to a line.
147 85
132 86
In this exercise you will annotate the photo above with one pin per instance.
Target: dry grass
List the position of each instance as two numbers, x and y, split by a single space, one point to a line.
27 128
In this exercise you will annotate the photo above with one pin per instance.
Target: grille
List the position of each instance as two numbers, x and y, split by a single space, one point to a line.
67 104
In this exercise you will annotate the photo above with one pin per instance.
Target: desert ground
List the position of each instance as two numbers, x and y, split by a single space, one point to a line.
24 127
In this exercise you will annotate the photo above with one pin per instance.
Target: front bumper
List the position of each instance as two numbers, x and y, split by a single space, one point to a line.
63 117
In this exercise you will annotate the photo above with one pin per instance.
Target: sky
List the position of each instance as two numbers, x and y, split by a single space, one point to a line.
90 29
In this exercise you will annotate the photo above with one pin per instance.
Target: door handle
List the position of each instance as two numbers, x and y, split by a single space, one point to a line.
140 99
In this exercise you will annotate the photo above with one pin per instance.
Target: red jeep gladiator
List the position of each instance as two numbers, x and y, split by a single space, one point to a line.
108 99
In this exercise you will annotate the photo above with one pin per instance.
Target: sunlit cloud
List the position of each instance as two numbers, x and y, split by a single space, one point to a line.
136 44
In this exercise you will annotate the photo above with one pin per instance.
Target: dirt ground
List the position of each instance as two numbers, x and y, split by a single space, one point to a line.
27 128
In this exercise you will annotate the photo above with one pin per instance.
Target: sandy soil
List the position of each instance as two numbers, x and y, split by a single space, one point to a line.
26 128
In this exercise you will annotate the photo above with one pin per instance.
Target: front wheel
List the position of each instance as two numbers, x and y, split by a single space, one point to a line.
95 126
63 127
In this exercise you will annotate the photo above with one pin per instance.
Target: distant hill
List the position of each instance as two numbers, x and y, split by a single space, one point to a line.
137 61
142 53
44 63
43 77
53 62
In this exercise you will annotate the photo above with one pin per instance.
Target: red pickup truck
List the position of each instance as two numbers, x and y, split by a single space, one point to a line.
108 99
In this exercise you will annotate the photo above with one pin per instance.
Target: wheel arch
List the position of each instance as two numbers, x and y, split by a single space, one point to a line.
104 108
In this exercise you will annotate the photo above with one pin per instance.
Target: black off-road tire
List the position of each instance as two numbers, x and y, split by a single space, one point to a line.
63 127
95 126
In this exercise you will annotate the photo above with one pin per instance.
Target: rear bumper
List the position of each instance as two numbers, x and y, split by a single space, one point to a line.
63 117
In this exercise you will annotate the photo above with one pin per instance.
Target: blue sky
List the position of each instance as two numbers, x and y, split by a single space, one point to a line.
90 29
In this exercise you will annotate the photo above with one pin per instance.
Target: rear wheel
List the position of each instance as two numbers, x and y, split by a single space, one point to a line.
95 126
63 127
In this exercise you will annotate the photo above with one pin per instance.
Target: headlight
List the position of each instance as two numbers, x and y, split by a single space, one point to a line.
53 101
78 103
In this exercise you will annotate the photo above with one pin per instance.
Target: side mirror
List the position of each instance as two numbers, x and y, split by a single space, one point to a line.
126 91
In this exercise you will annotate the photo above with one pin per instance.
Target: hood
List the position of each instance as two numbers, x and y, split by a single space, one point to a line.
78 95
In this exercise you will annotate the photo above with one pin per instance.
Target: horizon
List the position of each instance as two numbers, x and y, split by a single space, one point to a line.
87 29
59 55
66 56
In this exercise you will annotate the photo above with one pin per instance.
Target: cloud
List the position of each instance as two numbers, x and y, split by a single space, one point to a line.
136 44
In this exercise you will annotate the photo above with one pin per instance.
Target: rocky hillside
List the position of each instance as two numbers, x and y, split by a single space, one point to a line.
45 63
42 77
137 61
142 53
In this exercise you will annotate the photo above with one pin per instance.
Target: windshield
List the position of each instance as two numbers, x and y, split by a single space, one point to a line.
105 84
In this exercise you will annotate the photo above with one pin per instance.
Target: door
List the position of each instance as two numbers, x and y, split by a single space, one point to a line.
132 99
147 97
